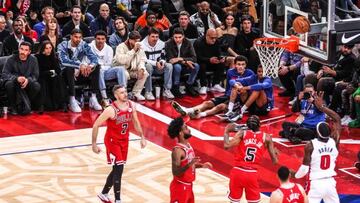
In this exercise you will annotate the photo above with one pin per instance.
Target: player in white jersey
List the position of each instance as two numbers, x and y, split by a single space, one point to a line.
320 157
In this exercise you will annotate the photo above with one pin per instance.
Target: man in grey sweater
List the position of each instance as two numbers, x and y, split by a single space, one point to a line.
21 71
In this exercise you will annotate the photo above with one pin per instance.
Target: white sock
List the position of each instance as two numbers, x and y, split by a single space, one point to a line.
93 95
231 106
243 109
72 98
189 110
103 94
202 114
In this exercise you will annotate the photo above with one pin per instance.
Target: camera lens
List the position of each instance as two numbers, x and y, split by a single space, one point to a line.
307 95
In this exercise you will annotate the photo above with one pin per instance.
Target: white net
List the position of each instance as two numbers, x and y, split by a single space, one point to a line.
269 54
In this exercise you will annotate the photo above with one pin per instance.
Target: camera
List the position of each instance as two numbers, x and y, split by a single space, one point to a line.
307 95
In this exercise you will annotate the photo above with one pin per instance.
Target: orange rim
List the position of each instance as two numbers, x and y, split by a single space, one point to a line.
290 44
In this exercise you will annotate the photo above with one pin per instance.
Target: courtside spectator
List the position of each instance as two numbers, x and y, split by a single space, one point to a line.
51 33
76 22
11 43
3 32
190 30
150 23
103 22
47 14
204 19
27 31
121 32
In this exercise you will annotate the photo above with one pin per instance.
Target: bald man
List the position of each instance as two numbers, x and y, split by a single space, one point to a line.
205 18
103 21
209 57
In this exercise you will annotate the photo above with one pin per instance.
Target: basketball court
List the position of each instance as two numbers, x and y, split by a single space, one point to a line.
48 158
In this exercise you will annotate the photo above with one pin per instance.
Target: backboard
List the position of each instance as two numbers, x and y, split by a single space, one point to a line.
277 22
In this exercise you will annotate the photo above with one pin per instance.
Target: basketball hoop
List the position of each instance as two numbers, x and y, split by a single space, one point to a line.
270 50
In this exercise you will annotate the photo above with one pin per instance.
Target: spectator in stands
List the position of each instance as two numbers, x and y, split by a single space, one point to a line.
125 9
27 31
315 11
3 32
130 55
76 22
52 94
156 64
304 127
217 104
356 96
244 42
51 33
190 30
103 21
150 23
340 74
205 19
180 52
47 14
21 72
80 63
208 52
255 92
162 22
227 33
11 43
290 64
121 33
33 18
105 55
62 10
9 16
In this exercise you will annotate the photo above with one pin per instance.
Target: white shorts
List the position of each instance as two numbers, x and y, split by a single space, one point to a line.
323 189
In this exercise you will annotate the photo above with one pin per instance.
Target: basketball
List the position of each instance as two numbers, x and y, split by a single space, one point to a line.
301 25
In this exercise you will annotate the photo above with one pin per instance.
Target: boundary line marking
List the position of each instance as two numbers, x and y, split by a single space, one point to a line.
349 173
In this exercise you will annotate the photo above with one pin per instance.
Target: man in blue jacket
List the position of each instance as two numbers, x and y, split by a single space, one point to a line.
255 92
218 104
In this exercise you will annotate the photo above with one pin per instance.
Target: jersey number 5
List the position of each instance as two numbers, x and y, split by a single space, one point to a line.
325 162
124 128
250 154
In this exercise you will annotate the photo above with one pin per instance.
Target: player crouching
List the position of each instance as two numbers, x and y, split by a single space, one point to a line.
255 92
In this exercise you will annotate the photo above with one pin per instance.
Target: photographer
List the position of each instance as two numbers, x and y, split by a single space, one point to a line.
156 64
304 127
208 51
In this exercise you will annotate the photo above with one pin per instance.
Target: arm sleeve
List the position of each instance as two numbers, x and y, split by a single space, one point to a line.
121 57
261 86
90 54
35 73
64 57
8 70
199 53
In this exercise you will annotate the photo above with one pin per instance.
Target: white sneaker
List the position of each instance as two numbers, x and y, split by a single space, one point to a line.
94 104
139 97
218 88
104 198
149 96
167 94
203 90
346 120
292 101
182 89
74 106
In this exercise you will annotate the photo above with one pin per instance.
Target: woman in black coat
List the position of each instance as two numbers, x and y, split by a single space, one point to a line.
52 86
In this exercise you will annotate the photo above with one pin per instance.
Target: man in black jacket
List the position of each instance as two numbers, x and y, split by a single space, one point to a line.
11 43
190 30
76 22
180 52
21 71
208 52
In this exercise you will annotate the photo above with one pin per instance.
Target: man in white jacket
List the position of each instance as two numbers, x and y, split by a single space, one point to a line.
155 51
105 55
130 55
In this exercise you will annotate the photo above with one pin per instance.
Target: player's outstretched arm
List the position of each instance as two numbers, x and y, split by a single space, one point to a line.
235 140
109 112
271 149
138 128
304 168
176 156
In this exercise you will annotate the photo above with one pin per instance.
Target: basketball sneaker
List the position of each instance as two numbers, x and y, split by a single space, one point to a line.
178 108
104 198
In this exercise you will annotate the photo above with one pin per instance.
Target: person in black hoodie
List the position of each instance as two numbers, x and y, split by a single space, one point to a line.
52 94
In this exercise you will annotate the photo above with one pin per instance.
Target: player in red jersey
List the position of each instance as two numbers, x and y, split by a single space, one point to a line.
250 146
184 163
118 117
288 192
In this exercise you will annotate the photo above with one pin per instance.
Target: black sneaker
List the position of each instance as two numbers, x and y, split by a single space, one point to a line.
191 91
176 92
178 108
294 140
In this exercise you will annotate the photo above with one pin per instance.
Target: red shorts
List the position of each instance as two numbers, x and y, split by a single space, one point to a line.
181 192
241 179
116 153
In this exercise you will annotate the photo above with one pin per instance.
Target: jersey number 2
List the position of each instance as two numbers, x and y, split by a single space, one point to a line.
250 154
325 162
124 128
